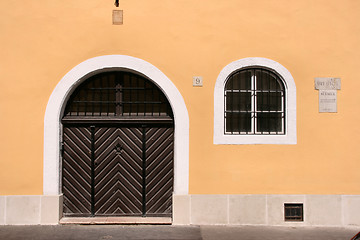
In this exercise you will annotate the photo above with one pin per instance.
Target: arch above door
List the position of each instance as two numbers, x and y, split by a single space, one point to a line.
63 90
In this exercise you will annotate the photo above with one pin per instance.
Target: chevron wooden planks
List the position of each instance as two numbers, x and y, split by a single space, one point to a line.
76 174
118 171
159 157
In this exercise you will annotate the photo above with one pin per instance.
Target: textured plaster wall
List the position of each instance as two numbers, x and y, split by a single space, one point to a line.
42 40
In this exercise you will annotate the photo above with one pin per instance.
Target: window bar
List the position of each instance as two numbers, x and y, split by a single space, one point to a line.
141 91
132 93
145 93
167 112
93 97
137 96
247 87
276 104
239 99
86 98
101 101
159 101
258 81
232 108
282 110
77 106
269 103
266 90
225 115
118 95
253 102
152 105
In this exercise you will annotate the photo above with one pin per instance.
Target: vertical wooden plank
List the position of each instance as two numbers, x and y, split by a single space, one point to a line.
118 171
159 170
76 171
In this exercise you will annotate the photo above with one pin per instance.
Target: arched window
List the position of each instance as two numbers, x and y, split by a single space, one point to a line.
117 95
255 103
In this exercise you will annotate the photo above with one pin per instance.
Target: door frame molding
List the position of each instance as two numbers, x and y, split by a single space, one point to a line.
88 68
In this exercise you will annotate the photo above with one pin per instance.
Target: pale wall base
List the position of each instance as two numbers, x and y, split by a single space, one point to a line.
30 210
319 210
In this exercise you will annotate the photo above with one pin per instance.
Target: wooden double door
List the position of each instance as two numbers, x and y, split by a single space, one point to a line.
110 170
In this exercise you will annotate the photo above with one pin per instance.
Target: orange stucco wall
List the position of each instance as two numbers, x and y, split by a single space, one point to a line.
42 40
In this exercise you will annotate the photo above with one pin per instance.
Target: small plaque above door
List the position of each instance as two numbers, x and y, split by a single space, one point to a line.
117 17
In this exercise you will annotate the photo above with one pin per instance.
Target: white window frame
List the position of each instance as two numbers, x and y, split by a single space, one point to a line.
290 105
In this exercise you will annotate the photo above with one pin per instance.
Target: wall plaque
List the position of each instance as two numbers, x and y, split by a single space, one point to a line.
327 93
117 17
197 81
327 83
327 101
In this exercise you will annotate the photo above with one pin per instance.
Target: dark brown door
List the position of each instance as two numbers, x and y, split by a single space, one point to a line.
118 171
118 143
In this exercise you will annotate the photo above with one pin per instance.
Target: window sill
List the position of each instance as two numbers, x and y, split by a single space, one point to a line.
254 139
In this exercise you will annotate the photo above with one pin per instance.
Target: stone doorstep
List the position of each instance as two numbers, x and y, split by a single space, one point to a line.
117 220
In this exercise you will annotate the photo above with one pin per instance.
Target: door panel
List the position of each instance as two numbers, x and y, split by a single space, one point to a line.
118 171
76 172
159 156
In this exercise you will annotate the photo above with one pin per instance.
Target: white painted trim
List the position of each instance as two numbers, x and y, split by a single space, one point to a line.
58 99
290 111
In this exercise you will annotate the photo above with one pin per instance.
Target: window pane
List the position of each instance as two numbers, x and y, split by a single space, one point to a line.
269 122
238 122
236 101
266 80
239 81
268 101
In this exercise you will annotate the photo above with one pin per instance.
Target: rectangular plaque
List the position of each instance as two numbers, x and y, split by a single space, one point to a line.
197 81
117 17
327 101
327 83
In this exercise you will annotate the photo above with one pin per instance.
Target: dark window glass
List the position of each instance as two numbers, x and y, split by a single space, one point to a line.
269 122
254 102
268 101
240 81
117 94
265 80
238 122
236 101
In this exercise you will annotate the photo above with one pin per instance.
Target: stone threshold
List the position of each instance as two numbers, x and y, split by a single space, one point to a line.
116 220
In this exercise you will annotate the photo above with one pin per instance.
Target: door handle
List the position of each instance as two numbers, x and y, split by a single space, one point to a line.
118 149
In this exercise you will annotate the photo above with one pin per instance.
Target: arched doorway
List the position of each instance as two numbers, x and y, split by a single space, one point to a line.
118 148
71 80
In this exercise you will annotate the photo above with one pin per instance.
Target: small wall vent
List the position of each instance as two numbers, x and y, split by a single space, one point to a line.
294 212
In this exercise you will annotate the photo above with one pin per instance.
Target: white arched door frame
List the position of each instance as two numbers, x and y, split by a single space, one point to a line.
63 90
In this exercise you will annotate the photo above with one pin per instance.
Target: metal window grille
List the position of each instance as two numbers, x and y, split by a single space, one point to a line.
294 212
117 95
254 103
